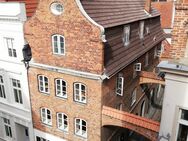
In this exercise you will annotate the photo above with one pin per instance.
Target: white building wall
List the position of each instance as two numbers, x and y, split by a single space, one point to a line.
175 97
12 18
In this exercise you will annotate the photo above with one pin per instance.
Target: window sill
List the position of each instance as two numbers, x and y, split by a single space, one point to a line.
81 103
61 97
46 125
80 136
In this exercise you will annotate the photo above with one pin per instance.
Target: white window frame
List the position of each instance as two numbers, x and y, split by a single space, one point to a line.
10 46
141 29
43 85
62 123
7 127
146 59
80 126
126 35
81 98
133 96
45 116
17 90
138 66
59 47
2 88
61 89
181 121
147 30
119 85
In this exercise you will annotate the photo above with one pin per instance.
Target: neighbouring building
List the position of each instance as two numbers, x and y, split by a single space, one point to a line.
15 110
174 120
84 72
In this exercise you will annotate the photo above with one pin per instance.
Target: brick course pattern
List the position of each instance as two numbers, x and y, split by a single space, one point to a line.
83 46
91 111
179 33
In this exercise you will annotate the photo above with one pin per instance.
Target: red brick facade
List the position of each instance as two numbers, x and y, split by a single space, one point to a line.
84 52
179 33
79 33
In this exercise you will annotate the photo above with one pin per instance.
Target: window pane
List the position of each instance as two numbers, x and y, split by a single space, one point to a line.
182 133
184 114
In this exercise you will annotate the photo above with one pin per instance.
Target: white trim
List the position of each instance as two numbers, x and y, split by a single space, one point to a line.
63 125
58 44
45 119
43 84
60 95
117 85
45 135
69 71
91 20
80 133
80 92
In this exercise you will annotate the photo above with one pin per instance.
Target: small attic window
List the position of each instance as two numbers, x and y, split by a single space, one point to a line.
56 8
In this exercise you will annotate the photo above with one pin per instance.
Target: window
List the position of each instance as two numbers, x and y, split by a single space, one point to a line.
10 45
62 121
119 85
141 29
17 91
146 60
126 35
80 92
61 88
133 97
46 116
147 30
2 88
41 139
182 134
56 8
7 127
81 127
43 84
58 43
137 66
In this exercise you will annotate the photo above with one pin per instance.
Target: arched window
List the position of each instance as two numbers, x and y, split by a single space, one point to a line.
43 84
61 88
62 121
46 116
81 127
58 43
80 92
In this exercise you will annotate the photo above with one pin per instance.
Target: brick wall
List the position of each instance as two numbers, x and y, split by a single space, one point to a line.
179 33
91 111
109 86
84 49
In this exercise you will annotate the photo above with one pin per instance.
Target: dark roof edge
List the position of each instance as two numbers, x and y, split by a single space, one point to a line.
115 72
102 36
133 21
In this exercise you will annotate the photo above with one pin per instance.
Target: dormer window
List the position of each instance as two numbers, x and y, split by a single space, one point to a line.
58 43
126 35
141 29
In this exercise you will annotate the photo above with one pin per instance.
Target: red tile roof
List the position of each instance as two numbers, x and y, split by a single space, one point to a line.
110 13
166 11
131 118
31 5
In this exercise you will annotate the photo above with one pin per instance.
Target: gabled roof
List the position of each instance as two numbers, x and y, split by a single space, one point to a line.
31 5
166 11
109 13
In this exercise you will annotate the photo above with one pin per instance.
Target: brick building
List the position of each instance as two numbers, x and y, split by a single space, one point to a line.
87 55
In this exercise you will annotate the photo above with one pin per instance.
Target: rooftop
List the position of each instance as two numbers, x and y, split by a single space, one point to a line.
166 11
110 13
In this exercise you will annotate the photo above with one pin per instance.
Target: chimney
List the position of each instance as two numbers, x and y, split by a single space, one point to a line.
148 6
